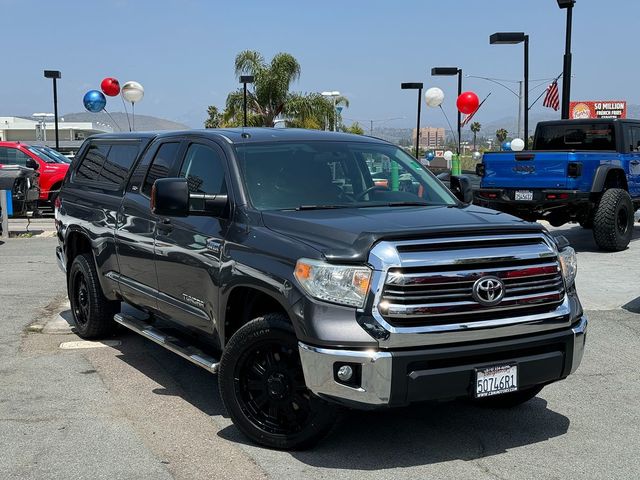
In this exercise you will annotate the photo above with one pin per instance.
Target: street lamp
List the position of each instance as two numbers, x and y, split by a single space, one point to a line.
449 71
54 74
511 38
244 79
566 70
334 94
415 86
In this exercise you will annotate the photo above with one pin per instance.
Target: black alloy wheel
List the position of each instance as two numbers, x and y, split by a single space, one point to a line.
262 387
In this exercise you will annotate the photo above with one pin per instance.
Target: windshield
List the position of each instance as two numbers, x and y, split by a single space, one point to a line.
300 175
50 153
582 136
42 155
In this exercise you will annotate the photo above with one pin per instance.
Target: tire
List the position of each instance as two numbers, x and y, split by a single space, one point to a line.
92 312
509 400
262 387
613 220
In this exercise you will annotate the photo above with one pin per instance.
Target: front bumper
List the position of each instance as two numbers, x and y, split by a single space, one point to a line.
395 378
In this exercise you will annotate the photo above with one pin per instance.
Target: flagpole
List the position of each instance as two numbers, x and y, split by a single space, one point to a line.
545 91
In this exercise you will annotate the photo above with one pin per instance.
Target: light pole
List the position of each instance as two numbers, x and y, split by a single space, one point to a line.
566 70
334 94
415 86
511 38
244 79
55 74
449 71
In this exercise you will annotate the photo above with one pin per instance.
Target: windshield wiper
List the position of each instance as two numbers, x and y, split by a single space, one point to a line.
320 207
397 204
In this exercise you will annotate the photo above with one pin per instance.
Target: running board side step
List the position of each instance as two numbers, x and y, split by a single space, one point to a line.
176 345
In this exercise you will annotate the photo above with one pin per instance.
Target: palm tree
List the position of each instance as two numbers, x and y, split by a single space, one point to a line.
501 135
475 128
270 97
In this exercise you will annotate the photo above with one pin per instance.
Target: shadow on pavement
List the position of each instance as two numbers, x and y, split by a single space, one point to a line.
633 306
582 239
425 434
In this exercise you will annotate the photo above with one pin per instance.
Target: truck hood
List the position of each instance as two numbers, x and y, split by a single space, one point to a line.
346 235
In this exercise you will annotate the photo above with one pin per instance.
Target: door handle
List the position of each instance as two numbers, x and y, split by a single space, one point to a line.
164 225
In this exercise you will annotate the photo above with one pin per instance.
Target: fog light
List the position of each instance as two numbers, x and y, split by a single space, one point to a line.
345 372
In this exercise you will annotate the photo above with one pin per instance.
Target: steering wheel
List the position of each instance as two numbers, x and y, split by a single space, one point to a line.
369 190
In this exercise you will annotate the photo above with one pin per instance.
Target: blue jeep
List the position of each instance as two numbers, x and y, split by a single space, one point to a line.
585 171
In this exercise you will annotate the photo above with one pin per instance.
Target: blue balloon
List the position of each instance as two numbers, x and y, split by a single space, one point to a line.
430 156
506 146
94 101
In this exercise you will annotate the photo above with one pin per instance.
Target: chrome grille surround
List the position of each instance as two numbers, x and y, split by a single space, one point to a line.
445 312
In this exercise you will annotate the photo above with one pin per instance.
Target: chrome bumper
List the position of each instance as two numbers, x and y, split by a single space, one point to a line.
319 367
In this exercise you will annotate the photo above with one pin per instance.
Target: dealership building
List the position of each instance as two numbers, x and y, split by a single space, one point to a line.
41 131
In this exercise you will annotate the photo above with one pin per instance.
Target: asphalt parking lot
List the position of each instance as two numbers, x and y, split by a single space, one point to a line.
134 410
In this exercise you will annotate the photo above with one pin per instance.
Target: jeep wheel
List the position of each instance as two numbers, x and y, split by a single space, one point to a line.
262 387
613 220
92 312
509 400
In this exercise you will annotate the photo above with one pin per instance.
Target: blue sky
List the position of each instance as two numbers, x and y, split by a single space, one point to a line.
183 51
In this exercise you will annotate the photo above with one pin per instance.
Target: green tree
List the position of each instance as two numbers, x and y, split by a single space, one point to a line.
269 97
501 136
353 128
215 118
475 128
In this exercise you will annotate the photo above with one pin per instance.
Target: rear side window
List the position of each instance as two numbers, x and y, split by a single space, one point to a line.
107 164
118 163
89 169
161 165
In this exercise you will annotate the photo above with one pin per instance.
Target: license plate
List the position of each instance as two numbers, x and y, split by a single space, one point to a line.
524 195
496 380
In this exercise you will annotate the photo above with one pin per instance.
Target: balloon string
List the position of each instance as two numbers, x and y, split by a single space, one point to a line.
133 115
125 111
112 119
450 127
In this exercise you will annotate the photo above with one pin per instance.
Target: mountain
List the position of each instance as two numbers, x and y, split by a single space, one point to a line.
119 121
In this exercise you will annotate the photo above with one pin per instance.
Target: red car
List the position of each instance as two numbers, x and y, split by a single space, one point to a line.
51 171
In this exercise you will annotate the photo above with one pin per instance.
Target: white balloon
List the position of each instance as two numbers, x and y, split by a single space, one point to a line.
434 97
448 155
517 144
132 92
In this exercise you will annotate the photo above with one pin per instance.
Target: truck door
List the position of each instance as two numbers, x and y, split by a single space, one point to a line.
188 249
136 225
633 178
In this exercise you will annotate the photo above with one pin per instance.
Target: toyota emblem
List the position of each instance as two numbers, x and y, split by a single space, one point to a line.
488 291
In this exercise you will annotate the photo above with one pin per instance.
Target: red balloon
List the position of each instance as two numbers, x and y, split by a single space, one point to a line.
467 102
110 86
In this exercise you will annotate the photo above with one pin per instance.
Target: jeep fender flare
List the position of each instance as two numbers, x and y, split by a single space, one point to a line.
600 177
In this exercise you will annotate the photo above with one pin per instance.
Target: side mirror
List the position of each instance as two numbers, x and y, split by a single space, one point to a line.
461 188
31 163
170 197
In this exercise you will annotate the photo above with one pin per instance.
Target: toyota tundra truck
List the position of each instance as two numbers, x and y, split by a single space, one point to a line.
272 258
584 171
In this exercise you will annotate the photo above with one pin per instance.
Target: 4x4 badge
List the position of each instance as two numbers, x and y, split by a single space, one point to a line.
488 291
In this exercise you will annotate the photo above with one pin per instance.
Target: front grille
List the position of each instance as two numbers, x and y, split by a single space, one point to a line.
438 289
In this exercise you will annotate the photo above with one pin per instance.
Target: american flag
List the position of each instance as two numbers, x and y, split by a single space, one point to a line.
552 99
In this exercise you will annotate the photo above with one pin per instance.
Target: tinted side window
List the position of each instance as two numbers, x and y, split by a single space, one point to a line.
12 156
203 170
161 165
94 159
118 163
634 139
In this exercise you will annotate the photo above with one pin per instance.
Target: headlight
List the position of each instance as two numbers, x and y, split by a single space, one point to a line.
569 264
343 284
